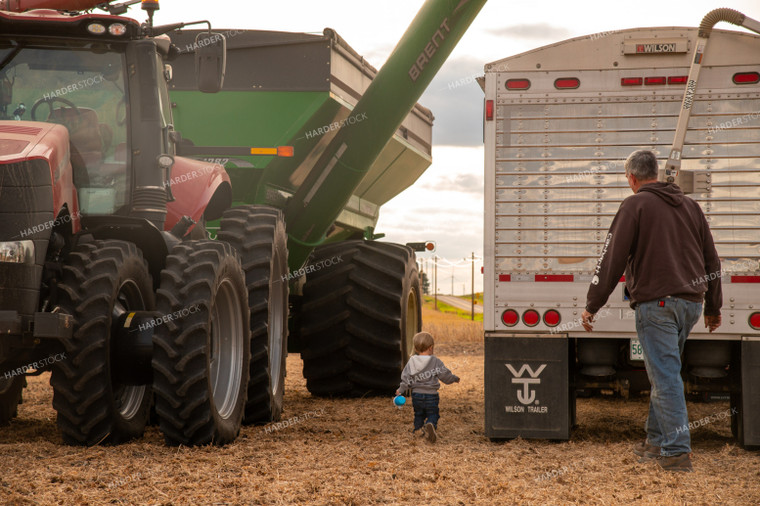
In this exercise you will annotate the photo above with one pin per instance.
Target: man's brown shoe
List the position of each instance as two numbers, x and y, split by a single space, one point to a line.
677 463
646 451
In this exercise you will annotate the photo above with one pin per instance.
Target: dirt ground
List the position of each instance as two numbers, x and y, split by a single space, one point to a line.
361 452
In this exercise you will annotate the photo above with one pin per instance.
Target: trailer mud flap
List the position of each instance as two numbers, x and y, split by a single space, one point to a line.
527 388
749 435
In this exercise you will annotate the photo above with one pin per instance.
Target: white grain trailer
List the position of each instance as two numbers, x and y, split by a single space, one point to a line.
559 122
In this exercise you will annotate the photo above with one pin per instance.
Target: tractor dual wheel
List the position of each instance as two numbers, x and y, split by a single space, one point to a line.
258 234
201 355
100 283
359 316
10 397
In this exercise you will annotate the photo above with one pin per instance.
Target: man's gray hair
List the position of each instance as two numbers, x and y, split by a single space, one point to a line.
642 164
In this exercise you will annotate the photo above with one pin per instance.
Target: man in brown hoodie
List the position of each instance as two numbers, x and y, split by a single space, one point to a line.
661 240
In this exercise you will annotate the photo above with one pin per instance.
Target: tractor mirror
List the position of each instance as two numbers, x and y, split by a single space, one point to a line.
210 61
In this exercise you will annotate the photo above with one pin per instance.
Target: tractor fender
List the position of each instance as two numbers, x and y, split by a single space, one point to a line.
200 190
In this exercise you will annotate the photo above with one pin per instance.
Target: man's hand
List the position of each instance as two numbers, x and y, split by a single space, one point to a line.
712 322
586 320
398 393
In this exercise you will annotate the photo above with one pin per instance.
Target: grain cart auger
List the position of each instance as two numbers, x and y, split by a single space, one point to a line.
670 173
359 140
105 276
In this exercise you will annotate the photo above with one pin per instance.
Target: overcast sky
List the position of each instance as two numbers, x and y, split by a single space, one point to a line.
446 204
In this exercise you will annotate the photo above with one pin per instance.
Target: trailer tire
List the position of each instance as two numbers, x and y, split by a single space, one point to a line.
258 234
201 357
10 397
359 317
100 281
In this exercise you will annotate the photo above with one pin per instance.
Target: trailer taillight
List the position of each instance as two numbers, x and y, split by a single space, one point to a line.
754 321
746 78
655 80
510 317
745 279
678 79
531 318
552 318
631 81
567 83
517 84
489 110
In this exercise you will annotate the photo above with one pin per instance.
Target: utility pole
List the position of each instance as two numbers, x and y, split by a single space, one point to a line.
452 280
472 288
435 280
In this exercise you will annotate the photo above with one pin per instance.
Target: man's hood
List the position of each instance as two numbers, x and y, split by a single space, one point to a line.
418 362
668 192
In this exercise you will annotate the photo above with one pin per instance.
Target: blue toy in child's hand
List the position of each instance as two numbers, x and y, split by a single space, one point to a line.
399 400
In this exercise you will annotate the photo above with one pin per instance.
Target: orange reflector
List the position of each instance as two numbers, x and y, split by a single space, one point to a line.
567 83
489 110
285 151
517 84
746 78
552 318
510 317
631 81
754 320
654 80
678 79
531 318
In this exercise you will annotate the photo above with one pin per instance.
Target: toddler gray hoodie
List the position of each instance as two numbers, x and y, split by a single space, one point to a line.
422 373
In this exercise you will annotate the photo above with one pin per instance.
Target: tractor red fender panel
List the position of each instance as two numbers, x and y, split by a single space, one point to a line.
29 140
198 187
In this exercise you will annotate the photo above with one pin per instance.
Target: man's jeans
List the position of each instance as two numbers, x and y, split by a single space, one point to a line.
662 326
425 409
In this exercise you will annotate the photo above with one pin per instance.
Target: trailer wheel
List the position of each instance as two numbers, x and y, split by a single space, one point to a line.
361 309
10 397
101 281
258 234
201 354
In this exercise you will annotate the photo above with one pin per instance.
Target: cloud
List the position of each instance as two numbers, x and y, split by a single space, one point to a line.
456 100
463 183
535 31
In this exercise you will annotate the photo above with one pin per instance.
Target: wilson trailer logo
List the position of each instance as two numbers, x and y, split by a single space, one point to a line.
526 395
657 48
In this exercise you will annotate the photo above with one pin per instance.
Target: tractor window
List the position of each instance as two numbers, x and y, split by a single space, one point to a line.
82 88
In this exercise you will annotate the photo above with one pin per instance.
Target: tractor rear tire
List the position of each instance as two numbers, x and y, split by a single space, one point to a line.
10 397
100 282
258 234
201 355
360 314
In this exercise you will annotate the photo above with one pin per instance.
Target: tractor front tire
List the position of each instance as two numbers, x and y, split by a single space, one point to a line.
359 316
258 234
100 282
201 355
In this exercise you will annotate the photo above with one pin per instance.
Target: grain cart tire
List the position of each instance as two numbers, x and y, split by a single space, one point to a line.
10 397
258 234
100 282
202 354
361 309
